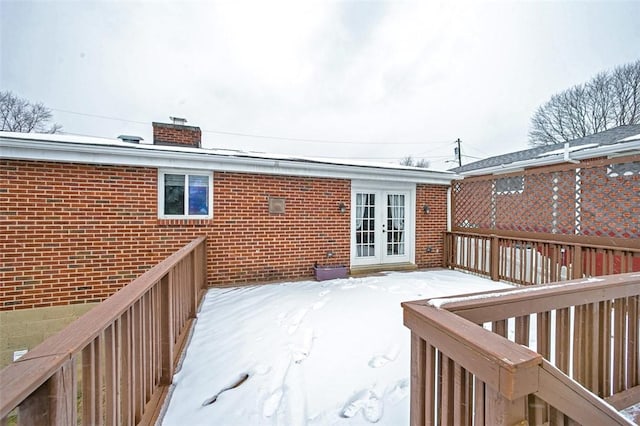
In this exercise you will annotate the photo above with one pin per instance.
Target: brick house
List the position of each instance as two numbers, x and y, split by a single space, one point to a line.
80 217
586 190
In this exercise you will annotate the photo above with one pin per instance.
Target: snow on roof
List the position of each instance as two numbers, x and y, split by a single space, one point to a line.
568 149
631 138
105 142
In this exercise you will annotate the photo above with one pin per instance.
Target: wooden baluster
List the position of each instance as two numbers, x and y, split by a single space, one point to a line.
422 398
112 374
92 383
495 258
538 409
499 327
604 348
562 348
633 345
579 344
522 330
619 337
138 379
478 402
168 339
576 265
446 396
461 399
126 382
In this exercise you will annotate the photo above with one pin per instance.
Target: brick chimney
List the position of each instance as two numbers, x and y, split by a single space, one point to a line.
176 133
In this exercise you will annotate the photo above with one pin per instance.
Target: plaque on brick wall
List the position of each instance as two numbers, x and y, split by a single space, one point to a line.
276 205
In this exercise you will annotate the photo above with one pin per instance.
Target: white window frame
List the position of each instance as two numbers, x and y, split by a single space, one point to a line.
163 172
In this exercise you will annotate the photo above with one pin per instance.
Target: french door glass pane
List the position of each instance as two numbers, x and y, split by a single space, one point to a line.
365 224
174 194
395 224
198 195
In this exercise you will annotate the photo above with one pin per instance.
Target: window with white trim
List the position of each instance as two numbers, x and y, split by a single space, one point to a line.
185 194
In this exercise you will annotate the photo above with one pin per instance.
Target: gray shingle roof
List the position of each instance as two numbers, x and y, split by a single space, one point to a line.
608 137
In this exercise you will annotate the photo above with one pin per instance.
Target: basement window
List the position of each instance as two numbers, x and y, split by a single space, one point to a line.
185 195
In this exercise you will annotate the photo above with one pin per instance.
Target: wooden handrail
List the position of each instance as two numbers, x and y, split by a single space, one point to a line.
462 373
509 303
495 360
569 397
129 312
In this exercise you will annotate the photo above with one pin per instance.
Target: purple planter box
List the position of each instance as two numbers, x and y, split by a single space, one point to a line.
330 272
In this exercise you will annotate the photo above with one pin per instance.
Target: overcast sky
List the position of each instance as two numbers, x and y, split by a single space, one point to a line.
365 79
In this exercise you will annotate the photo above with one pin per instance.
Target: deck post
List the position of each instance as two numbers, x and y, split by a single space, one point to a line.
501 411
63 402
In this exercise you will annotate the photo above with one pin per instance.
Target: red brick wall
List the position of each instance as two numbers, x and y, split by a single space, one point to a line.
249 244
430 227
72 233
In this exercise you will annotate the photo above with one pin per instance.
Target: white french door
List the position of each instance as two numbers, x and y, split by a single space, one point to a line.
382 226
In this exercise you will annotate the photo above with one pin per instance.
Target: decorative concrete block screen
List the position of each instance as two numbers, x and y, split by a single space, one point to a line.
599 198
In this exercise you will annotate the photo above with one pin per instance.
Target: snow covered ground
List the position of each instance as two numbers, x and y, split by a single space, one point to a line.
306 353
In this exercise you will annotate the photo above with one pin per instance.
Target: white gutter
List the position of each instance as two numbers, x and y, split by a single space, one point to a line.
600 151
120 153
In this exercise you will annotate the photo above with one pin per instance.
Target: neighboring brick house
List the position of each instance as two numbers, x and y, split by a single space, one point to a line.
588 188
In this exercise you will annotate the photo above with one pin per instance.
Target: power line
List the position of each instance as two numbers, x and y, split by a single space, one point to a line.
105 117
261 136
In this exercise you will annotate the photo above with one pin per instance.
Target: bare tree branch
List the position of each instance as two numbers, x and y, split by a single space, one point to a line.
19 115
608 100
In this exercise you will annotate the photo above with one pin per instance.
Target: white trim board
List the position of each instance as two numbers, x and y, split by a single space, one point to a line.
108 152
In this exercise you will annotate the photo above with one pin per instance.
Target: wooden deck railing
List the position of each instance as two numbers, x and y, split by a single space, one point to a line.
114 364
551 353
534 261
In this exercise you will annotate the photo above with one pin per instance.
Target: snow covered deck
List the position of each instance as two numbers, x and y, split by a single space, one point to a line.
314 353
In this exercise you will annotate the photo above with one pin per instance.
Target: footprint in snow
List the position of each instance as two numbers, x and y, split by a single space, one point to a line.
319 305
382 360
272 403
324 293
296 319
300 352
367 402
399 392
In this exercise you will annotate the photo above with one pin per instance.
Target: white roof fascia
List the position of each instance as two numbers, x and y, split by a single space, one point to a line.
600 151
122 153
606 150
